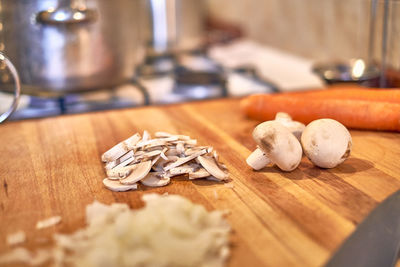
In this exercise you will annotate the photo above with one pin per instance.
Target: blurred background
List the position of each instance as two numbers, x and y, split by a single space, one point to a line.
314 29
77 56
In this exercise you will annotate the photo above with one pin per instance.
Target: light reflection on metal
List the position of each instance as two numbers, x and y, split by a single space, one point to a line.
60 16
164 23
160 34
78 16
329 74
358 68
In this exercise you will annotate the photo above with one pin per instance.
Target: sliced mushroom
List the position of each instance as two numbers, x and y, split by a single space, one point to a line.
195 166
191 142
117 186
111 164
216 158
139 153
120 172
139 172
154 181
183 169
222 166
191 151
171 138
146 136
162 134
154 161
211 166
163 155
150 154
159 167
115 178
181 161
131 142
153 148
114 153
126 162
180 148
178 136
183 137
172 152
126 156
151 143
172 158
215 155
120 149
201 173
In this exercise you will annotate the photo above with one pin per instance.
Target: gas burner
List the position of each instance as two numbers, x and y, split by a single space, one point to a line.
164 80
124 96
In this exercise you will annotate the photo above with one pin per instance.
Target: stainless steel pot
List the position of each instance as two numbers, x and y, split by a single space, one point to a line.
72 45
175 25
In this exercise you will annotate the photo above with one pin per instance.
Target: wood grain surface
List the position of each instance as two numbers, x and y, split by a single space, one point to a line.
52 167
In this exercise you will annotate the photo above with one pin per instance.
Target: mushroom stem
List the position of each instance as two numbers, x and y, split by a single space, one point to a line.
282 116
258 160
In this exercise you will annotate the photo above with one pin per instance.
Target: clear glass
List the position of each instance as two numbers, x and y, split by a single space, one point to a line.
7 69
385 52
364 44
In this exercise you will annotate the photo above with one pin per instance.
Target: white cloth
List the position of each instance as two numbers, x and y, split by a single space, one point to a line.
287 71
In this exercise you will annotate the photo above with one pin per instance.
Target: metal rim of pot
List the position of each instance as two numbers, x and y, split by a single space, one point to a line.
17 89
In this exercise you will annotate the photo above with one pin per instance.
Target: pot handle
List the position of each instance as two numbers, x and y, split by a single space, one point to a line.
17 89
67 13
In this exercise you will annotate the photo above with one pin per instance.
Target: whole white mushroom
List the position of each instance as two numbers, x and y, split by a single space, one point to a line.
259 158
326 143
276 144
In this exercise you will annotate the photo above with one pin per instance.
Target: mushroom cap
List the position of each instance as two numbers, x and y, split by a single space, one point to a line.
279 144
295 127
326 143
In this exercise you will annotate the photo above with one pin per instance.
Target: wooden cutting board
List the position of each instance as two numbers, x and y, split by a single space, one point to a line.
52 167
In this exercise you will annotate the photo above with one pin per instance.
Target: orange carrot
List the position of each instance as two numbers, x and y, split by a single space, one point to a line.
383 95
357 114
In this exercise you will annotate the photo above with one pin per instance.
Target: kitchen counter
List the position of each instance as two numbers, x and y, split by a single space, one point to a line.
52 167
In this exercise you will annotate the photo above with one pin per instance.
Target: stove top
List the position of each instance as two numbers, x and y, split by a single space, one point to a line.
166 80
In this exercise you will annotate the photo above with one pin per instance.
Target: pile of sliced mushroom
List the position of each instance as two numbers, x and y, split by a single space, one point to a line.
154 161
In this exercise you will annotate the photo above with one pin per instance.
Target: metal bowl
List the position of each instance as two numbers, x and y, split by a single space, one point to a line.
354 71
